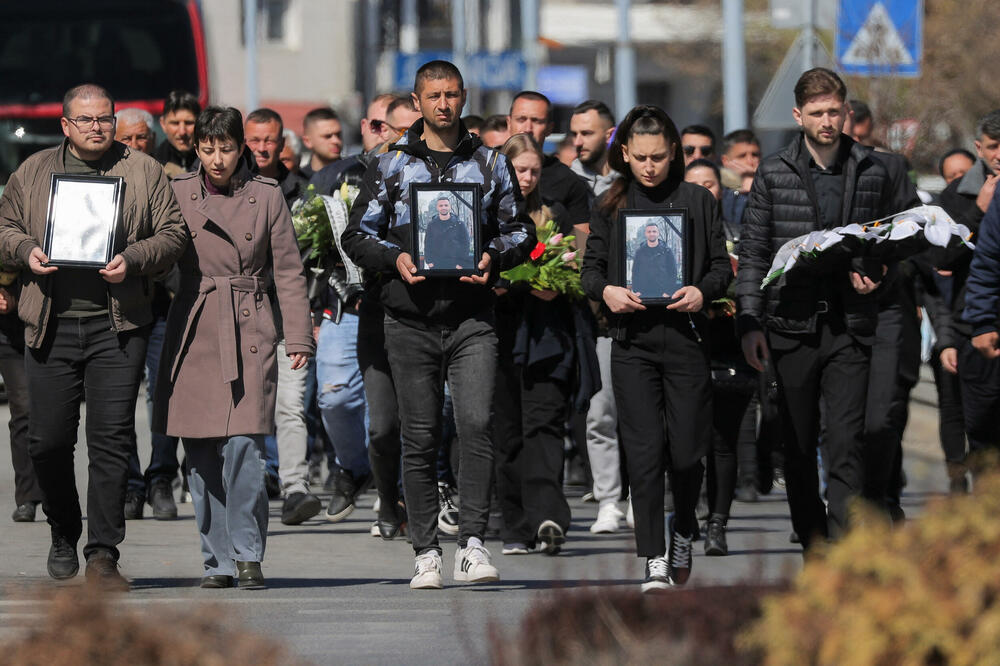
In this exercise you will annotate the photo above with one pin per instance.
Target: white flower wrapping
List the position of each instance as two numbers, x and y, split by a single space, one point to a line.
892 238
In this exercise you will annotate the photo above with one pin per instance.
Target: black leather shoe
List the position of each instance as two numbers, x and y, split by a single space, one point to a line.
216 582
251 577
63 561
102 571
393 525
161 498
135 504
299 507
25 513
715 538
342 501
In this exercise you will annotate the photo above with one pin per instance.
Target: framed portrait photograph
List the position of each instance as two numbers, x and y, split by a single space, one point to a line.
445 226
655 261
82 220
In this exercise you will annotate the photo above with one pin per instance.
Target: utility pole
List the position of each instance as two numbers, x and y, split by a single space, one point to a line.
529 42
810 30
625 93
734 69
458 46
250 42
409 40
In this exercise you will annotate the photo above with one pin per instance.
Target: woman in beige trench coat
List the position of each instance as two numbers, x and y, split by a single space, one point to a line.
218 371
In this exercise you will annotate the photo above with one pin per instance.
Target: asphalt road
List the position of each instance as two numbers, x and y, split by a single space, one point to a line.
337 595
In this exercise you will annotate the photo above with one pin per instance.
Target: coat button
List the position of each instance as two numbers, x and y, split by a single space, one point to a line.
252 200
249 236
193 196
253 350
194 234
246 313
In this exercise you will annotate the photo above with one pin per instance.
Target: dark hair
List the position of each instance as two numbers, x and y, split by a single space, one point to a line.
86 91
181 100
398 103
700 130
739 136
534 96
989 125
322 113
473 122
648 120
436 70
265 115
702 162
595 105
494 123
819 81
216 122
952 153
860 110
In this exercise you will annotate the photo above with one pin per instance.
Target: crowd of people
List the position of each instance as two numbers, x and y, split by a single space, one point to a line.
459 394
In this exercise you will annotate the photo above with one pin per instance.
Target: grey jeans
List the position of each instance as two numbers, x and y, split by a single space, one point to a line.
421 361
290 424
226 479
602 432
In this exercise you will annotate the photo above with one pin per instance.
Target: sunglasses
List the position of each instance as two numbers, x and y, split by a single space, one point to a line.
377 126
705 150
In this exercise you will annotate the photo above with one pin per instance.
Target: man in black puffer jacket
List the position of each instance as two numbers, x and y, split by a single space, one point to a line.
820 324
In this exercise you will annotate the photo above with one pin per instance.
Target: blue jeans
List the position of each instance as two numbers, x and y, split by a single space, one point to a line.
163 459
421 361
341 393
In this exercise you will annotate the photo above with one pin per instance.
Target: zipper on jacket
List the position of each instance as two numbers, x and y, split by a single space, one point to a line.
694 328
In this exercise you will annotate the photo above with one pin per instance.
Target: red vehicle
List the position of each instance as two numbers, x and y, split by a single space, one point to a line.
139 50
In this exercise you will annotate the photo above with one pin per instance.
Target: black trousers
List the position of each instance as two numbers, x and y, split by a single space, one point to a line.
895 362
26 488
829 365
384 444
85 357
664 396
734 423
951 425
980 378
528 427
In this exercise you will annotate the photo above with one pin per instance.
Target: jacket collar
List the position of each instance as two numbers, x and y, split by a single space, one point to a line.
974 179
412 144
797 157
108 160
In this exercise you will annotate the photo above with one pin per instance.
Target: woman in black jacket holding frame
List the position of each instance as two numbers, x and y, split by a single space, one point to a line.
659 361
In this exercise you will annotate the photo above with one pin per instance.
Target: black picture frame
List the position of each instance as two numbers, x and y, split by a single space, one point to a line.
663 271
461 254
82 220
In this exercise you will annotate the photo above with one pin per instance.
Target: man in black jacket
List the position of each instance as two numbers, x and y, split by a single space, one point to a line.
820 325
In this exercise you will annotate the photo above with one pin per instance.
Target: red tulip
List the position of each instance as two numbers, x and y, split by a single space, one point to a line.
538 251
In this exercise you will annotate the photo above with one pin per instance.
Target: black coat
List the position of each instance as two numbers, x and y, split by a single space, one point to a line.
710 270
654 271
782 206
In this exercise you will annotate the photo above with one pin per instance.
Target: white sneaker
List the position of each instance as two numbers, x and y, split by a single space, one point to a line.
374 530
608 518
427 572
472 565
629 515
377 504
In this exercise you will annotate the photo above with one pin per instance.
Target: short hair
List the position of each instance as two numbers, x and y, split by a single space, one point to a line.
472 122
436 70
860 110
442 197
132 115
819 81
495 123
85 91
651 224
702 162
218 123
181 100
316 115
952 153
265 115
534 96
739 136
388 98
293 141
989 125
595 105
398 103
700 130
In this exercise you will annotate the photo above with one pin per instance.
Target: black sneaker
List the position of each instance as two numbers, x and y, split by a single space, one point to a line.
102 571
25 513
63 561
161 498
715 539
299 507
135 504
344 491
746 492
550 537
680 558
272 485
657 575
448 515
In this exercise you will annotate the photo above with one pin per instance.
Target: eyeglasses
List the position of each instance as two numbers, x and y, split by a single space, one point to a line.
86 122
705 150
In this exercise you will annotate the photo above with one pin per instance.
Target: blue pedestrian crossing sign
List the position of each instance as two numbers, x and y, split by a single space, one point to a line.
880 37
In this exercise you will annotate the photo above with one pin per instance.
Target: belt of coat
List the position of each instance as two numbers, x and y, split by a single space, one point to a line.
227 319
